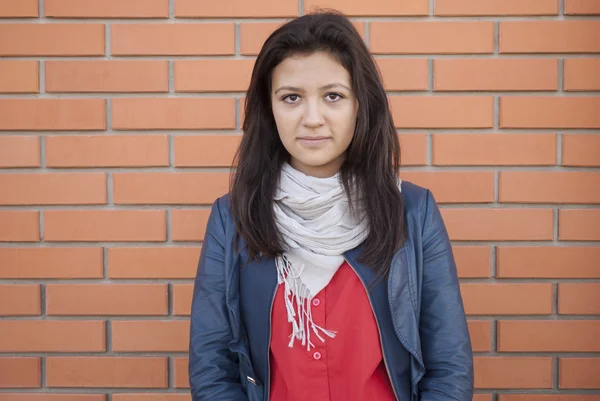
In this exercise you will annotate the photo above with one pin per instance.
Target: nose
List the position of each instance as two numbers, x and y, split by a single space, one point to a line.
313 115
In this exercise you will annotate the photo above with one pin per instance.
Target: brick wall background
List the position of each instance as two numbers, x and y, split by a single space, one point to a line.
118 121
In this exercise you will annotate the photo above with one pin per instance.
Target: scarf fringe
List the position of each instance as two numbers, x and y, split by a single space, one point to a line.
298 305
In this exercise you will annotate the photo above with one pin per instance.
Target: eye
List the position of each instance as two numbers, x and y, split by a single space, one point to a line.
334 97
291 98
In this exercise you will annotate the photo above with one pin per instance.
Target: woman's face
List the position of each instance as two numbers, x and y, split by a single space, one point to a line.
315 112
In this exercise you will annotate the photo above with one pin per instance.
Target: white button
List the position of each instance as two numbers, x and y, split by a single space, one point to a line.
317 355
316 302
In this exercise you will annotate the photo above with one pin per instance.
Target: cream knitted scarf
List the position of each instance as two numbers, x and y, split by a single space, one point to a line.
314 218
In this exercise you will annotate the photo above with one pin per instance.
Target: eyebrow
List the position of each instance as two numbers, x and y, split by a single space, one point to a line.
293 88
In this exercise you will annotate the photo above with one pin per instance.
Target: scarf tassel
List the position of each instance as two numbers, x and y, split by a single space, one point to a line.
298 306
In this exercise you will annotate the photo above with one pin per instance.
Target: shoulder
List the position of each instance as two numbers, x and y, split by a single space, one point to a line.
222 206
416 198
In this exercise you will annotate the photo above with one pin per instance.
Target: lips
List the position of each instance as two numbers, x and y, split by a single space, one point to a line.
314 141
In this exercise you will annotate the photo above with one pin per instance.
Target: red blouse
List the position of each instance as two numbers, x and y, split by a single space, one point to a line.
348 367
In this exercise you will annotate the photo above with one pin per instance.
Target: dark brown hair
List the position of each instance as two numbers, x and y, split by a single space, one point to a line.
372 158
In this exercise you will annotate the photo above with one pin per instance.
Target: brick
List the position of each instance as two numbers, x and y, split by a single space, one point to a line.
404 74
115 372
481 335
495 7
443 111
499 224
180 368
581 74
52 114
105 225
236 9
579 298
582 7
19 76
511 74
20 300
580 373
507 299
548 262
52 336
546 36
107 299
153 397
432 37
20 372
19 9
253 35
53 189
107 151
513 372
173 113
151 336
107 8
472 261
107 76
182 299
581 150
579 225
414 149
549 187
19 225
205 150
188 225
51 397
549 112
212 75
548 397
372 8
455 187
494 149
155 263
169 188
33 39
482 397
19 151
162 39
51 263
548 336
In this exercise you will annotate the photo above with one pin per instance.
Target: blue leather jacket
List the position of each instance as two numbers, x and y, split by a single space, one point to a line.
419 311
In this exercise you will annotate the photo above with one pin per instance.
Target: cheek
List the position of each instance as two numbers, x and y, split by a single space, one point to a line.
345 123
284 120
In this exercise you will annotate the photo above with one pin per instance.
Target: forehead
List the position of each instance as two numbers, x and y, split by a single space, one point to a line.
317 69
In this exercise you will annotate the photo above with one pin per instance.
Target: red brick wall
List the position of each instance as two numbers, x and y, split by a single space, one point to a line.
118 121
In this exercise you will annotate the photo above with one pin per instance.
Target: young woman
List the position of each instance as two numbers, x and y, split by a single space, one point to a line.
322 275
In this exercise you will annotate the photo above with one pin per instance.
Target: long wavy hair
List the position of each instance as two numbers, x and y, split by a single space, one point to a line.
372 159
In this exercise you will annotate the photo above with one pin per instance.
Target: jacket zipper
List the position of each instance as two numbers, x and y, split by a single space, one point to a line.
385 363
268 378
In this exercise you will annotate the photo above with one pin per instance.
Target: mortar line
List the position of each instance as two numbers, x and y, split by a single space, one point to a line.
430 75
555 373
237 40
496 187
42 78
171 76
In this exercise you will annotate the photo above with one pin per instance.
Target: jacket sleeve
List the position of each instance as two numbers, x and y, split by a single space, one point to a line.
213 370
445 339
